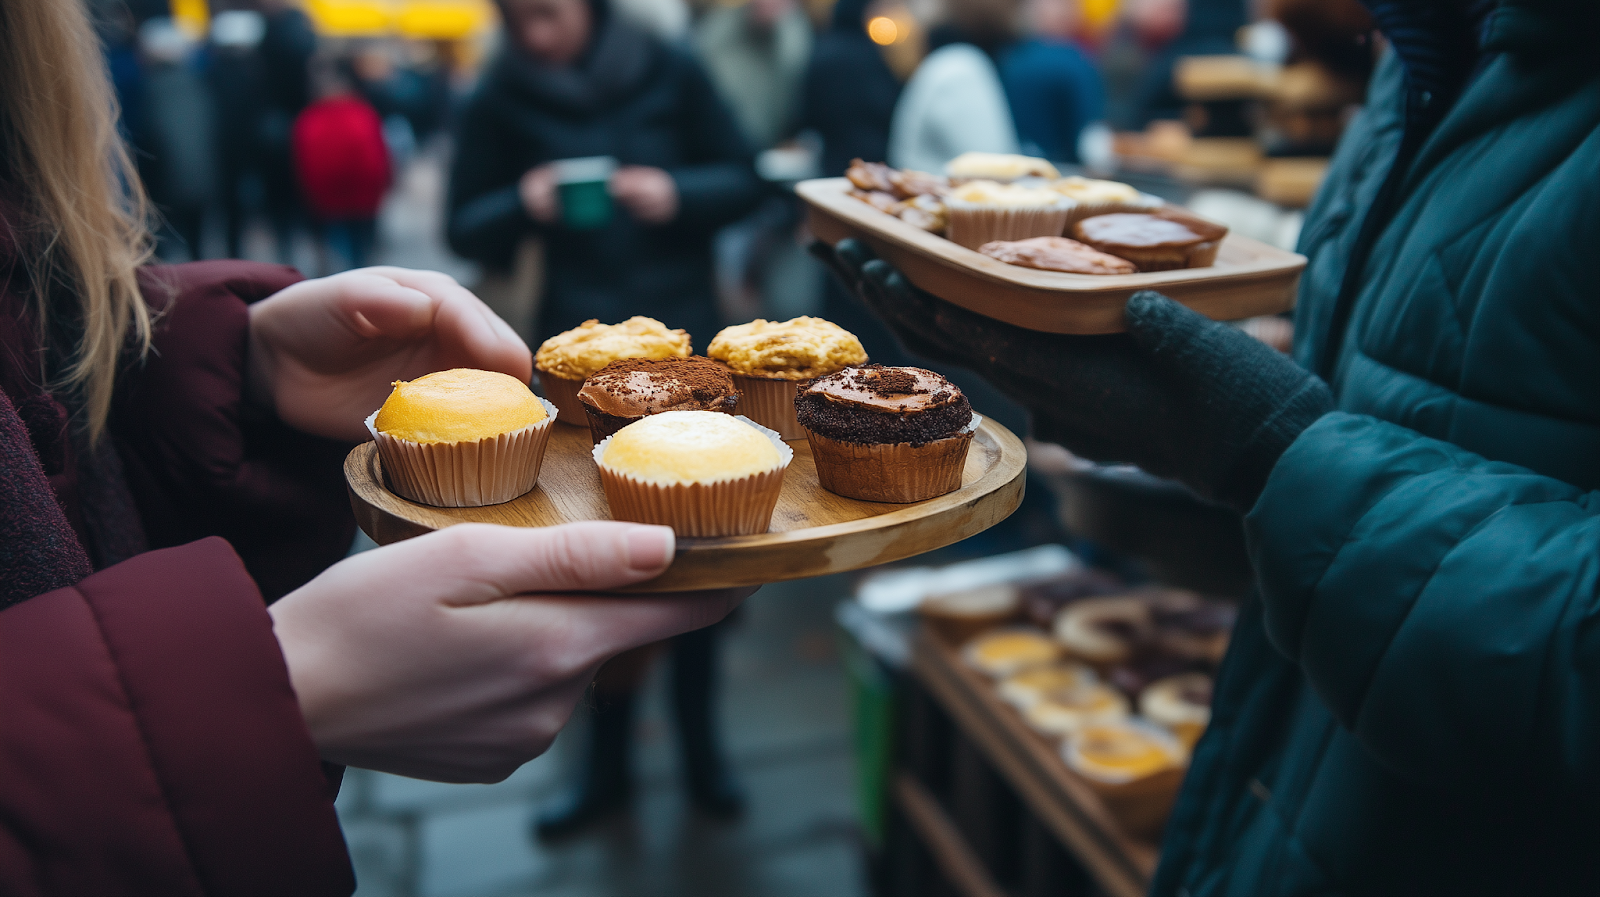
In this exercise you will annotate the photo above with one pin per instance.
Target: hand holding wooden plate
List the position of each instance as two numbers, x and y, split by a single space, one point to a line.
814 532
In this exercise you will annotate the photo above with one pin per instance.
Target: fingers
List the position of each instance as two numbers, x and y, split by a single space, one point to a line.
602 626
577 557
471 334
374 305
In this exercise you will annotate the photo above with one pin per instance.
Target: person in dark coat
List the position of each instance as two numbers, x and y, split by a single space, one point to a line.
1408 703
170 456
576 80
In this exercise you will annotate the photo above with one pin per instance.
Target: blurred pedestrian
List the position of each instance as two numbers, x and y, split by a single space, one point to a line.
342 163
287 45
237 87
578 88
849 91
954 102
1053 88
177 157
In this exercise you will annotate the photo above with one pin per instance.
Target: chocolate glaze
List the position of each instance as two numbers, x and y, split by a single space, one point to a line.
875 405
635 387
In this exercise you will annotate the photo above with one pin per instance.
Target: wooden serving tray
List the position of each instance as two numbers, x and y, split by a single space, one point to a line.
1250 278
814 532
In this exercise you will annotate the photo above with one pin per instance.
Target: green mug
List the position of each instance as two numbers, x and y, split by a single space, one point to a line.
583 186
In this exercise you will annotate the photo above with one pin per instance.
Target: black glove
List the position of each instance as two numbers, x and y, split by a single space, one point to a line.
1180 395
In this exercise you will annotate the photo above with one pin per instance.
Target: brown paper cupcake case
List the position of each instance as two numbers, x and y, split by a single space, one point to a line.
741 507
465 474
770 402
974 224
564 393
899 473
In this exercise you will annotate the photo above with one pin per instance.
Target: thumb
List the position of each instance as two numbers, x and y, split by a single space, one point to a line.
1175 336
378 306
576 557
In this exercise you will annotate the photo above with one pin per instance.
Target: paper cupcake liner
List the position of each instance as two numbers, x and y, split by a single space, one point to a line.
464 474
741 507
1140 805
892 472
972 224
564 393
770 402
1090 209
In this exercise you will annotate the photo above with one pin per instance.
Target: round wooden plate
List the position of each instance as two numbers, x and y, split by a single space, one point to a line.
813 531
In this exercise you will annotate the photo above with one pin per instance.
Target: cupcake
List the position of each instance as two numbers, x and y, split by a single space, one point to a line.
1159 240
1104 632
1097 197
1001 167
958 616
461 438
1134 766
1180 703
1005 652
887 434
626 390
1023 690
565 360
702 473
770 360
982 212
1062 712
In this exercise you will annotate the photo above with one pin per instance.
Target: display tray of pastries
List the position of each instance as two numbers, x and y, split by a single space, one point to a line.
1010 241
883 464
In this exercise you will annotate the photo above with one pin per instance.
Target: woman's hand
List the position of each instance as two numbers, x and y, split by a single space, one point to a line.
457 656
537 189
649 194
324 352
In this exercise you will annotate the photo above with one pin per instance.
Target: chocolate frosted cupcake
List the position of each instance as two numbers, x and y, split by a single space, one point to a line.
887 434
626 390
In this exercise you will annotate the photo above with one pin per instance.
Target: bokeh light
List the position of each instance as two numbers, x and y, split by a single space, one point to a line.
883 30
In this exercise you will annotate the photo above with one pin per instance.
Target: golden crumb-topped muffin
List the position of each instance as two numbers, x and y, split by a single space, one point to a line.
587 348
460 405
999 167
682 447
802 348
990 193
1094 191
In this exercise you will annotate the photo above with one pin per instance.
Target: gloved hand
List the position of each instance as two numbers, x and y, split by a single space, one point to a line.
1178 394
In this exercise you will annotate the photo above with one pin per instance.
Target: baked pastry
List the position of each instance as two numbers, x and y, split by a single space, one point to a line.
1182 703
1105 631
887 434
1056 254
984 211
1005 652
702 473
630 388
1097 197
565 360
1134 766
958 616
1067 710
1159 240
1191 627
770 360
1041 601
461 438
1002 167
1023 690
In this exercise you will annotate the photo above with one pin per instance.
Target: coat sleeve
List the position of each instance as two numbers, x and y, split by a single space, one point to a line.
152 743
1442 605
717 184
202 461
485 218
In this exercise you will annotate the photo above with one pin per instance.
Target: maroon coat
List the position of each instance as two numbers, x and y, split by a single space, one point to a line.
149 738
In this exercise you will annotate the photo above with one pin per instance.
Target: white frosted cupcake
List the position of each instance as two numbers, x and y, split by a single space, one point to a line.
703 473
1067 710
1029 687
1001 167
984 211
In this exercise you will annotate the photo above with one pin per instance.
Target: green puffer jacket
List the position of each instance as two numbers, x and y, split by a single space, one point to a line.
1413 703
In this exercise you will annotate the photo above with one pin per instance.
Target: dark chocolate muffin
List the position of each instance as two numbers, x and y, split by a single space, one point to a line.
630 388
873 405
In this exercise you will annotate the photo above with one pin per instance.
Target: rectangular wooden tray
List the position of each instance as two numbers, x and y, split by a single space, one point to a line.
1250 278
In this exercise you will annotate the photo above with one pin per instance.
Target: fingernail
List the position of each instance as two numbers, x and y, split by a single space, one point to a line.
649 547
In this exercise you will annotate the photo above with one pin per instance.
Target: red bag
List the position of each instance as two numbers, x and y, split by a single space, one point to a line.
341 158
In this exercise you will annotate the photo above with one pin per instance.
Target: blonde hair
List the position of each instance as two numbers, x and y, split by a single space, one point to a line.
80 209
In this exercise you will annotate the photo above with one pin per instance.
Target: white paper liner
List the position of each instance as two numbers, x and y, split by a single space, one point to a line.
974 224
564 393
465 474
893 472
739 507
769 402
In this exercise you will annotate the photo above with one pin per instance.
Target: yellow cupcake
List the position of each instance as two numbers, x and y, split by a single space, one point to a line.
703 473
1092 190
681 447
989 193
461 438
1006 651
581 351
802 348
1122 751
460 405
999 167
